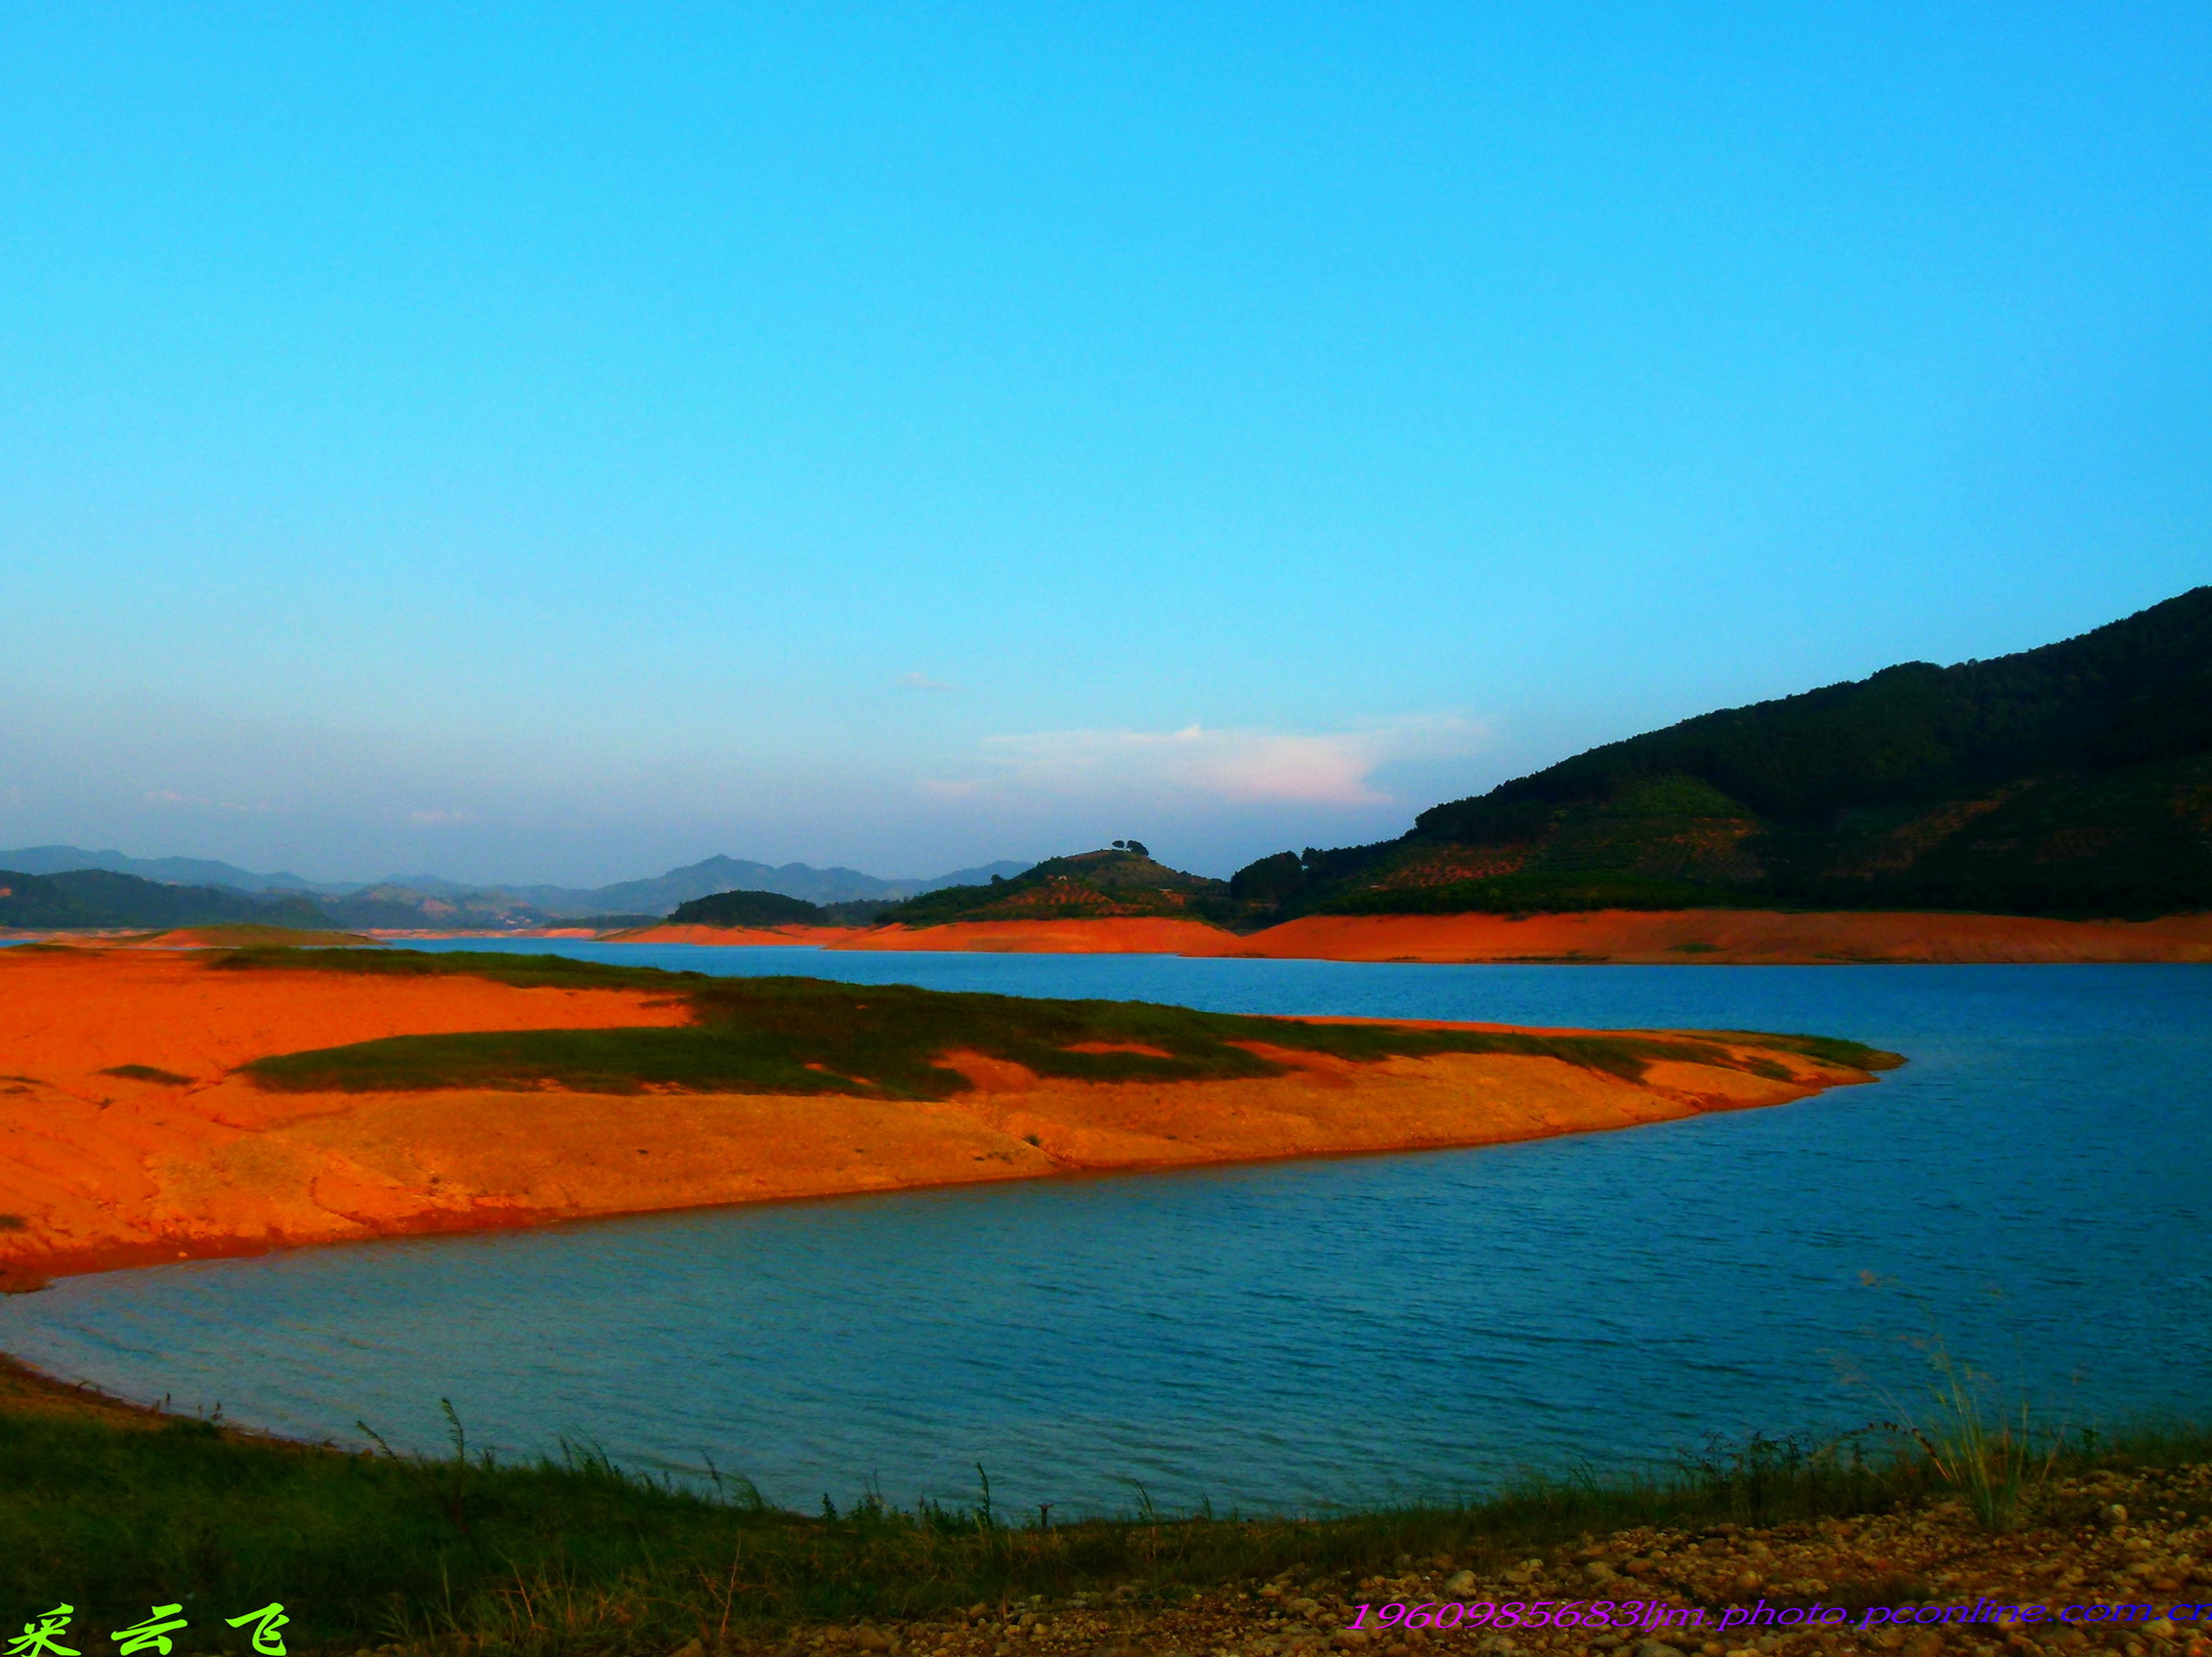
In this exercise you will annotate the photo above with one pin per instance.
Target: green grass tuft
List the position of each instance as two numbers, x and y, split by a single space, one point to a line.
147 1073
1828 1049
528 972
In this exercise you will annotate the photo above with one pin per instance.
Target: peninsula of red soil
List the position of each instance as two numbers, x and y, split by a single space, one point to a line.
129 1134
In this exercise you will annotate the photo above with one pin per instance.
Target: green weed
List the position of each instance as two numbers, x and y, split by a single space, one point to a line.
1992 1456
147 1073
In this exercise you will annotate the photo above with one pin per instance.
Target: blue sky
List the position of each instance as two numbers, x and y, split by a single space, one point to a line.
556 442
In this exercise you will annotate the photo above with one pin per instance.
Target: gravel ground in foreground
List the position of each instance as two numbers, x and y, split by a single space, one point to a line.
2132 1539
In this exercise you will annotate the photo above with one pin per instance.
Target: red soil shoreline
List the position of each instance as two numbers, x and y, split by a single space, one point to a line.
1713 937
1739 937
1618 937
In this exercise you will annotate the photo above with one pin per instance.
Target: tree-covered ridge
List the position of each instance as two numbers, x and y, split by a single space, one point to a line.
746 909
763 908
101 898
2075 778
1107 884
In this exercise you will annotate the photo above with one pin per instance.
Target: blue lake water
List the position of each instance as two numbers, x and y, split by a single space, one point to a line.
2035 1188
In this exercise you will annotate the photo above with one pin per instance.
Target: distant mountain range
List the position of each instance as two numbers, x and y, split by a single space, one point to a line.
2073 779
70 886
663 892
176 871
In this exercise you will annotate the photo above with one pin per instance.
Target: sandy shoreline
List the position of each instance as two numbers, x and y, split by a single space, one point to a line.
180 1156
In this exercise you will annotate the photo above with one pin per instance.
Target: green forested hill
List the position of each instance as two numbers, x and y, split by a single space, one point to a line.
99 896
746 909
2075 778
1121 881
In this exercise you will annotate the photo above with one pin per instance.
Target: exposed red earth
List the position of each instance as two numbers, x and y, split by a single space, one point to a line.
1726 936
1645 937
1710 937
128 1134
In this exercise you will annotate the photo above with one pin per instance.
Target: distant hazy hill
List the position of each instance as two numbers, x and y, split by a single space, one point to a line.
432 901
392 904
101 897
1090 886
662 893
179 871
2075 778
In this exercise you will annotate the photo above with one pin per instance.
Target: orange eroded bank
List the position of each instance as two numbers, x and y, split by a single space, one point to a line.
1735 935
1711 937
99 1170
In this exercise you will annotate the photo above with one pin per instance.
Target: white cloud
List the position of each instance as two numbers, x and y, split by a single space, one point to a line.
1238 766
441 817
923 682
170 796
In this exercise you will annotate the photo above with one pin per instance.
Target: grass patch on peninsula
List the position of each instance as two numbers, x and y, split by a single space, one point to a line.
147 1073
524 971
112 1509
789 1035
252 934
